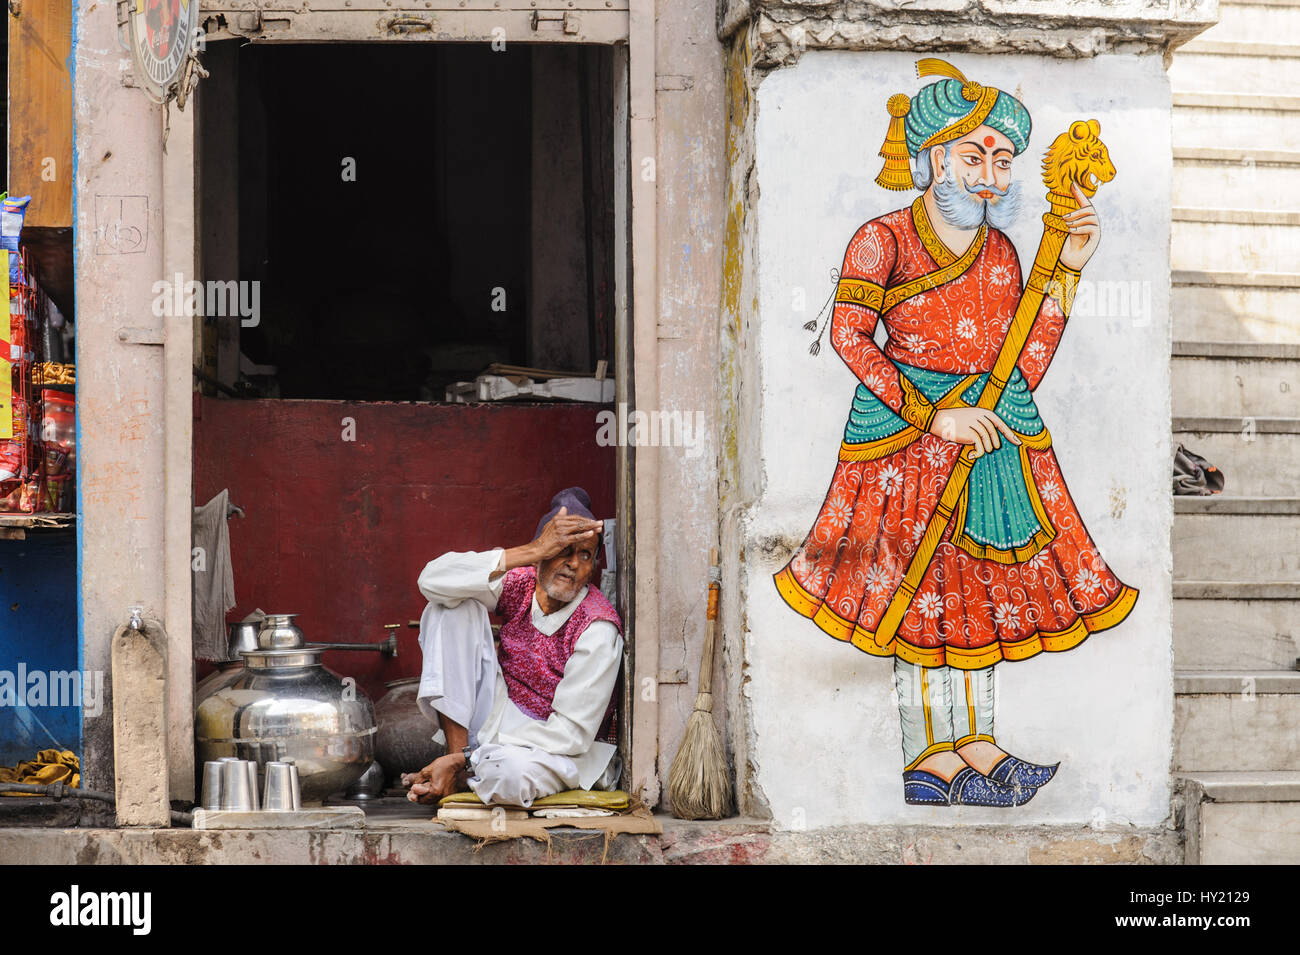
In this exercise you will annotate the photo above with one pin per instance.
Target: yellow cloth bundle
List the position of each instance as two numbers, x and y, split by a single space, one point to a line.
49 766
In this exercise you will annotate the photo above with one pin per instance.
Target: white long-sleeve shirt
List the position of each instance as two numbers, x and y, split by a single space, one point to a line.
583 693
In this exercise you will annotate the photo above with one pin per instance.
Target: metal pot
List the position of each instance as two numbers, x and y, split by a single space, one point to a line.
243 636
226 673
283 704
369 786
403 742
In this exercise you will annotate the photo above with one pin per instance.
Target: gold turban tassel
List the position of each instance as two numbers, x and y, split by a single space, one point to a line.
932 66
897 171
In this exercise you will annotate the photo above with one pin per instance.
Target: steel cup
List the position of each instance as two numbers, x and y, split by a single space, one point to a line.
212 785
252 784
235 792
279 788
297 789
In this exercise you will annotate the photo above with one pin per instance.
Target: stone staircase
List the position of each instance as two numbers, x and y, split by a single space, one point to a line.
1236 401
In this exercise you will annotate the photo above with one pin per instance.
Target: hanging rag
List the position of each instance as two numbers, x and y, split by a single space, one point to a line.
49 766
1194 475
213 579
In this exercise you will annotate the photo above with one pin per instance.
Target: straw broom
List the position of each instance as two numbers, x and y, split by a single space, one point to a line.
699 785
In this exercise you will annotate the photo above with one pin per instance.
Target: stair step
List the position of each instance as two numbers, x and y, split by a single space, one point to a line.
1236 590
1216 633
1251 217
1242 818
1252 23
1223 504
1264 246
1246 539
1248 787
1235 120
1259 457
1263 350
1201 70
1235 426
1198 682
1239 48
1254 102
1243 720
1224 313
1238 279
1238 157
1234 187
1248 379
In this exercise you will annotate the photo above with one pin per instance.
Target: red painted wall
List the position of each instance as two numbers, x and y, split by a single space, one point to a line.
339 531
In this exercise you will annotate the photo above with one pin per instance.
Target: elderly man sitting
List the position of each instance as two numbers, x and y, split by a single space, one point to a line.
536 716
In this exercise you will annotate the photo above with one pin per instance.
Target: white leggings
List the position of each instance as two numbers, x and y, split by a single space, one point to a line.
942 708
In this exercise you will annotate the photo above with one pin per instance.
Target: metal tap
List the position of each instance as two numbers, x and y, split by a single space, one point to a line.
386 647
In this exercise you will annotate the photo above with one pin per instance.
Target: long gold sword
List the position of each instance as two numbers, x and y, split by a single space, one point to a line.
1061 167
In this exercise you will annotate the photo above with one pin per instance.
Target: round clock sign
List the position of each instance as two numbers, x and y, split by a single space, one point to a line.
162 32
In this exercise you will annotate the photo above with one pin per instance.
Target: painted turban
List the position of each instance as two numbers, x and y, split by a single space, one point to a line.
941 112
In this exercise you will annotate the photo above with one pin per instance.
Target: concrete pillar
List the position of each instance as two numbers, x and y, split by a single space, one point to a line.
180 242
691 181
140 725
642 158
117 210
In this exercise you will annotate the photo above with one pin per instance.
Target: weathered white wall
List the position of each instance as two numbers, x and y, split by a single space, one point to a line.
823 734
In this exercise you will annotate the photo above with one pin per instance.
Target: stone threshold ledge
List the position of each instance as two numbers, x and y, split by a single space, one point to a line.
783 29
731 841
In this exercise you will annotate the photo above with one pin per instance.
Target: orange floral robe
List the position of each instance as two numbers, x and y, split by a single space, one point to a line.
975 605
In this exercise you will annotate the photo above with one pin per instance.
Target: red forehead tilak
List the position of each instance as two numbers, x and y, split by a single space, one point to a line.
988 140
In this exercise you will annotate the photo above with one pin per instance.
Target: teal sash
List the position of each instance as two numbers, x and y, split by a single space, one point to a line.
999 510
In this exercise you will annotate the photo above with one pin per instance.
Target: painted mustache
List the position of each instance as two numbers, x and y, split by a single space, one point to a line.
987 192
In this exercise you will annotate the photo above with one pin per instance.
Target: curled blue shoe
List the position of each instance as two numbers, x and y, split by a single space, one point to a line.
971 788
968 788
1016 772
924 789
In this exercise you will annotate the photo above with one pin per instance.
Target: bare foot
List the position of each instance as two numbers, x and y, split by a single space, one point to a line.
442 777
981 756
945 765
423 793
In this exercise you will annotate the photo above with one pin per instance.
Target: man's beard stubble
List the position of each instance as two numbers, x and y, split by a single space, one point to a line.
559 590
962 209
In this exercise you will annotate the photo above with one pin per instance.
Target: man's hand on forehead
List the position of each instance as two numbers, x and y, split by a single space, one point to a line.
561 532
566 530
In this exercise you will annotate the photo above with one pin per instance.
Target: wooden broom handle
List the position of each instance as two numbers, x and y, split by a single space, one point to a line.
710 635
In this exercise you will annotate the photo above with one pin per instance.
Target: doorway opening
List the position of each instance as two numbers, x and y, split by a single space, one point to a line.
381 222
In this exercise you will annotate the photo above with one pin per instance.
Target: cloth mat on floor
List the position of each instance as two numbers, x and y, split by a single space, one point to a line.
631 817
614 799
49 766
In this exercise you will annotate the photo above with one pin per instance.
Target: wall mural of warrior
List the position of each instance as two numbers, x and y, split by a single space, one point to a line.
948 540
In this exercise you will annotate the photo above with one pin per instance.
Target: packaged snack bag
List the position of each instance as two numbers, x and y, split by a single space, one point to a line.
11 227
59 423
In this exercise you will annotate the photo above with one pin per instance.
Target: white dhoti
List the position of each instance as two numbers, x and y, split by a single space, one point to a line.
462 679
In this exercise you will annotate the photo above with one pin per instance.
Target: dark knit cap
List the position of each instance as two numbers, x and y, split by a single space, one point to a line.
575 499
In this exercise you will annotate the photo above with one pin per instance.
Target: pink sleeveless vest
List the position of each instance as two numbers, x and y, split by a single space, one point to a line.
532 662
